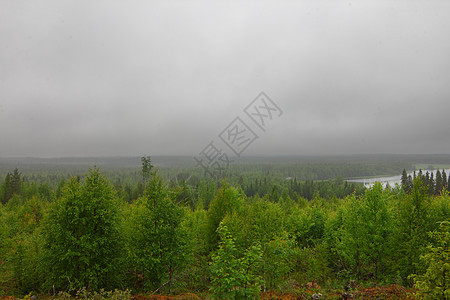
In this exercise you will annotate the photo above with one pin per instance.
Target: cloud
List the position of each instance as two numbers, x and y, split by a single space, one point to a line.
165 77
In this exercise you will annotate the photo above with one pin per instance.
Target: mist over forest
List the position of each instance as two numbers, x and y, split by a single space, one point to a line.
224 149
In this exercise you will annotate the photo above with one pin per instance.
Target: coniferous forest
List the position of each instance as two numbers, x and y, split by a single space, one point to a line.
259 232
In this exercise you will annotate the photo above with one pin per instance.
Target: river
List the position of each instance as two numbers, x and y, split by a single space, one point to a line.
392 180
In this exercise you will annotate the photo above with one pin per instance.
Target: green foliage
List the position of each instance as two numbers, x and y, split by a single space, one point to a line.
155 240
358 234
308 225
146 168
265 233
81 236
226 201
11 186
433 185
21 245
263 222
207 189
235 277
410 237
435 282
377 225
311 264
348 237
196 247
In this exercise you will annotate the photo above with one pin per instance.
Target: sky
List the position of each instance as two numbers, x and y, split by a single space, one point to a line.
125 78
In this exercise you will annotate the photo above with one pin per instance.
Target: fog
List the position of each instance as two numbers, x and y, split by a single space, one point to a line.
108 78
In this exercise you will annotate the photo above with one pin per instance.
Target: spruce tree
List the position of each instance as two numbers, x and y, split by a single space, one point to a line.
438 188
426 181
444 179
405 181
16 182
421 176
410 184
431 185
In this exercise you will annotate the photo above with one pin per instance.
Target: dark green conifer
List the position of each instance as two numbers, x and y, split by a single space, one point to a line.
444 179
431 185
438 187
405 181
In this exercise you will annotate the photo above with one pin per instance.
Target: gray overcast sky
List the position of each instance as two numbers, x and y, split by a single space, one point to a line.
94 78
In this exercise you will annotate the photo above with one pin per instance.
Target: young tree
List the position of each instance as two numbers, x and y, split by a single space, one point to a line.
155 239
207 189
194 227
375 212
226 201
235 277
435 282
362 235
146 168
82 237
350 244
412 224
263 222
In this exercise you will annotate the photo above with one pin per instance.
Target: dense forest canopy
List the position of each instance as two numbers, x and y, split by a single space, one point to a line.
276 226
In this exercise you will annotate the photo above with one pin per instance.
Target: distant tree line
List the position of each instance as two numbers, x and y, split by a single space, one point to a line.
433 184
